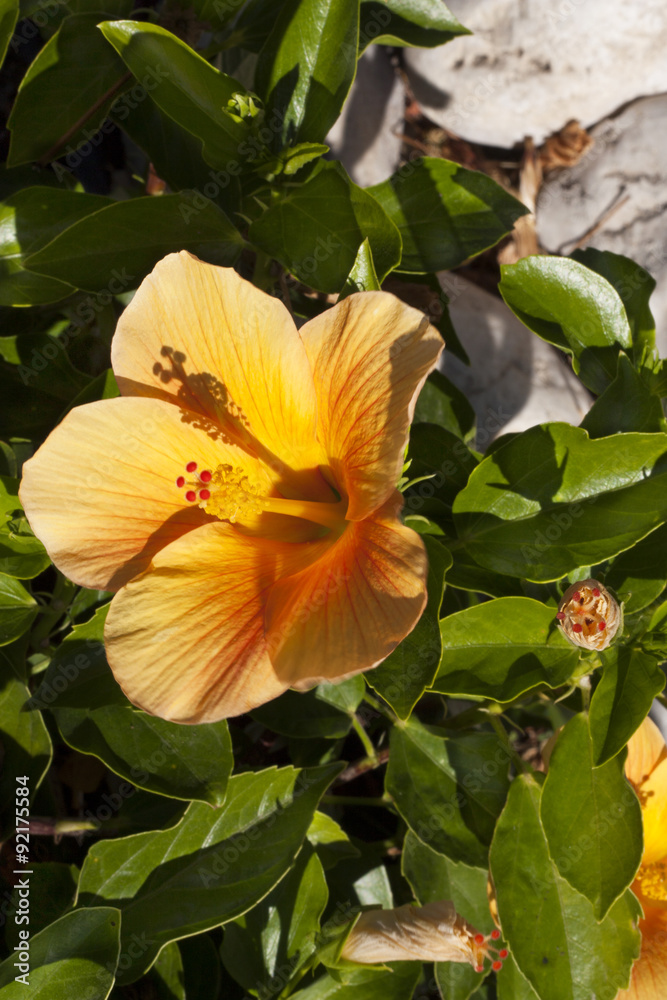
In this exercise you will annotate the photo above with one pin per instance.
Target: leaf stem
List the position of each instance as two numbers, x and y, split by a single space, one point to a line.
364 737
519 764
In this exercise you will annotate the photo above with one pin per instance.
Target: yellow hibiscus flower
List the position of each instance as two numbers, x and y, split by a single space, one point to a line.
240 495
646 769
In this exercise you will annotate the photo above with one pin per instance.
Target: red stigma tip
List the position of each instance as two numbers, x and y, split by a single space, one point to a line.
191 496
180 482
479 968
204 494
205 476
596 592
495 934
479 939
191 466
497 966
602 626
561 616
577 627
575 597
503 953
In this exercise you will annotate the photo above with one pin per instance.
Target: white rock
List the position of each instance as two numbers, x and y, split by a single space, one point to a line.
366 137
515 380
616 194
534 64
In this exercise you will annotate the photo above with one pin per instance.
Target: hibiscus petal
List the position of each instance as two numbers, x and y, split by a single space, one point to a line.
202 336
101 492
352 606
645 750
649 974
654 814
185 640
370 355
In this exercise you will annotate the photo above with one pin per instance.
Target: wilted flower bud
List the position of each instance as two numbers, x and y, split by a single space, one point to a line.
589 615
431 933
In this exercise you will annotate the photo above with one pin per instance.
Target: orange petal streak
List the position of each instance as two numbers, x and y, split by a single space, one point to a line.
370 355
649 973
203 336
101 492
350 609
645 750
185 639
654 815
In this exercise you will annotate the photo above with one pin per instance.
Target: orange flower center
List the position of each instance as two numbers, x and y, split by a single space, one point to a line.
230 494
652 881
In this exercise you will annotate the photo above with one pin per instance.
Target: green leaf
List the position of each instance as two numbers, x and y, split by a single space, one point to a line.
25 738
402 678
397 983
633 284
52 892
443 457
326 712
277 936
316 230
18 609
66 94
307 66
502 648
639 575
21 554
466 574
573 308
434 877
630 681
28 220
330 841
550 500
592 819
210 868
8 18
627 404
552 932
511 983
201 967
95 717
186 87
448 791
420 23
166 977
445 213
113 249
362 277
74 957
441 402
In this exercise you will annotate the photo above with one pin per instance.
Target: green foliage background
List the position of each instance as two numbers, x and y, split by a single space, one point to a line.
219 861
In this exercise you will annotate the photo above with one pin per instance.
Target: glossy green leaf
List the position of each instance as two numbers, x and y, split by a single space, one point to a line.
551 500
277 936
448 463
211 867
53 113
502 648
445 213
18 609
74 957
639 575
28 220
184 86
21 554
8 18
307 66
573 308
325 712
330 841
94 716
166 977
420 23
434 877
512 984
441 402
632 283
466 574
316 230
551 929
630 681
52 892
402 678
592 819
627 404
113 249
362 277
25 738
449 791
397 983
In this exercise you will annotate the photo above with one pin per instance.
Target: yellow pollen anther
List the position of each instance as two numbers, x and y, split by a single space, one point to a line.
233 495
653 880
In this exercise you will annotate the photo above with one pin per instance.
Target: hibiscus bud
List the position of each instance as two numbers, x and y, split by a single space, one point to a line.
589 615
431 933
